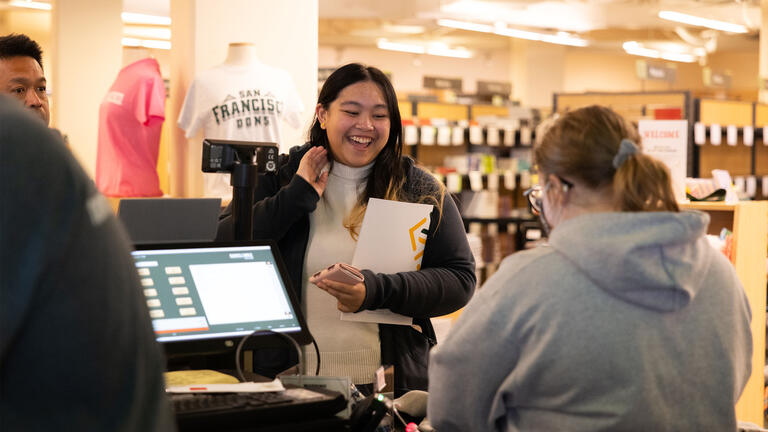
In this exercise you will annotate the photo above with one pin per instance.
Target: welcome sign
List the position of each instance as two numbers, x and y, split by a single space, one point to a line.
667 141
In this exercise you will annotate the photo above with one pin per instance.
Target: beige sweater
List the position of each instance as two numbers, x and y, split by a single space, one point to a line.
346 348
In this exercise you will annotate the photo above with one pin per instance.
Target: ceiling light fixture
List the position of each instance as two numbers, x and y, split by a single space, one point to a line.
128 17
634 48
465 25
403 29
702 22
147 32
402 47
137 18
146 43
30 4
502 30
445 51
435 49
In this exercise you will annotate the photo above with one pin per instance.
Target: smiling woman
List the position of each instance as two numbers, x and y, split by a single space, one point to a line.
357 124
358 120
314 208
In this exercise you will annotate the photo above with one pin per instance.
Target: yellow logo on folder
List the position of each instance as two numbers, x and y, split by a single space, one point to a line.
416 237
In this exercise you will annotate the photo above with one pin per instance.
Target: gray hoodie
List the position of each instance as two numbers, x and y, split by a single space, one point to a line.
625 321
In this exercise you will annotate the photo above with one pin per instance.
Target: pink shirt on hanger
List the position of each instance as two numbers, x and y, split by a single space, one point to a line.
130 120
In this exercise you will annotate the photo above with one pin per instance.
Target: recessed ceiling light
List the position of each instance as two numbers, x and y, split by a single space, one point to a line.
465 25
635 48
402 47
502 30
137 18
403 29
147 32
146 43
702 22
542 37
436 49
30 4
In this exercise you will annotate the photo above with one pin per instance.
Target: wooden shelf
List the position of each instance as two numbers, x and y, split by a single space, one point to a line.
761 115
489 110
631 105
748 220
709 206
725 112
406 110
450 112
738 160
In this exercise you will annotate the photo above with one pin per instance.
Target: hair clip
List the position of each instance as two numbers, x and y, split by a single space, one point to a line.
627 148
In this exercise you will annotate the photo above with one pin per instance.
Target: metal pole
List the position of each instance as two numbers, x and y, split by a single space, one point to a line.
243 180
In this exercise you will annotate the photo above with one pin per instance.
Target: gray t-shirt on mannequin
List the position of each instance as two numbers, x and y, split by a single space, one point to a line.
77 350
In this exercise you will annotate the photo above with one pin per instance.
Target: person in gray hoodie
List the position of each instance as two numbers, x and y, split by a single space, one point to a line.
626 320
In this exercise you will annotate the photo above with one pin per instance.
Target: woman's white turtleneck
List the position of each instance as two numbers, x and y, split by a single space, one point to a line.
347 348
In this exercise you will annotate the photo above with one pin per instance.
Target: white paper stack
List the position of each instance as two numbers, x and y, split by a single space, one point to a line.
427 135
715 134
732 135
410 135
444 135
749 135
475 135
699 133
492 134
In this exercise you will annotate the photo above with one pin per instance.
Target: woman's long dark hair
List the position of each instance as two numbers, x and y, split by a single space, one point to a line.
388 175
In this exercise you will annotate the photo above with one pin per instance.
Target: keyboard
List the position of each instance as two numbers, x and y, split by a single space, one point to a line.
221 411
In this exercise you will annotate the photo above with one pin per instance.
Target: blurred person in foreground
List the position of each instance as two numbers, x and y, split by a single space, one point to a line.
77 350
627 320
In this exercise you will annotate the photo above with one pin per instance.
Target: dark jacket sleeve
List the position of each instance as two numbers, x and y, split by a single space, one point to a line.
445 282
279 201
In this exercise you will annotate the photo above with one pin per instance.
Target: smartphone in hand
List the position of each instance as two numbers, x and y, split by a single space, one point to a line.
339 272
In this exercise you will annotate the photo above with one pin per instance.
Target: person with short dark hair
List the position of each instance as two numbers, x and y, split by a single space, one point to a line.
77 348
21 73
627 320
315 216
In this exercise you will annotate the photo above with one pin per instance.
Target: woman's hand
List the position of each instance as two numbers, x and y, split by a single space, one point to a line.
349 297
311 168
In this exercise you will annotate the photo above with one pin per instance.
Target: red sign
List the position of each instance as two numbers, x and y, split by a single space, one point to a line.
668 114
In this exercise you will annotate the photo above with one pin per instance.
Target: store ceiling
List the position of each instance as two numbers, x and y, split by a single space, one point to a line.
605 24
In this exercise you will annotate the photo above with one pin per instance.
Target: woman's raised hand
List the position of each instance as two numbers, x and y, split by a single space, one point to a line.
311 168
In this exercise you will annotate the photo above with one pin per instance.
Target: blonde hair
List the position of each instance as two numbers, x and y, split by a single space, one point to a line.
422 192
583 143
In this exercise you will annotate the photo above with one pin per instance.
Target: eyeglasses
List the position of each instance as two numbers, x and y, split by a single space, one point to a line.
536 192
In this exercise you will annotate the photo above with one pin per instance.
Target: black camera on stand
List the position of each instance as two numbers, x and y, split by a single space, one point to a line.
244 160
